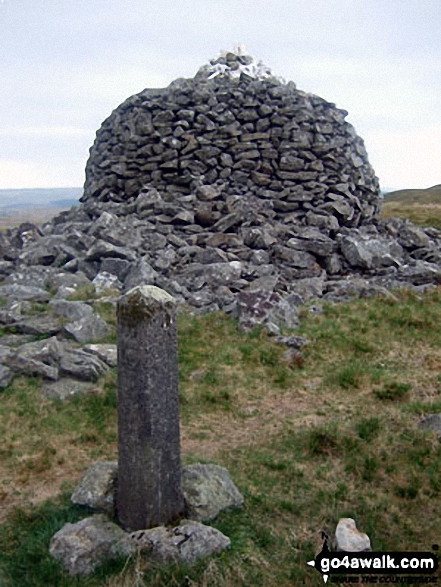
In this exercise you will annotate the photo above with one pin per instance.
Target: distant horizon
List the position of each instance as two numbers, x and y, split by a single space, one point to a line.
37 198
73 187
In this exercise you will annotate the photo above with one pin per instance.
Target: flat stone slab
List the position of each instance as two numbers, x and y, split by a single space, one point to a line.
97 487
82 547
84 366
65 388
208 490
36 358
88 329
72 311
37 325
184 544
106 352
25 292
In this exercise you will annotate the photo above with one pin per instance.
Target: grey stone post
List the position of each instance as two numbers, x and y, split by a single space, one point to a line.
149 464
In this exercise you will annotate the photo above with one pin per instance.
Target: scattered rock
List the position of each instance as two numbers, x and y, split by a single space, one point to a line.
65 388
6 376
431 422
88 329
24 292
349 539
412 237
15 340
97 487
82 547
72 311
141 273
284 314
368 252
208 490
105 280
106 352
42 325
184 544
294 342
102 249
81 365
36 358
68 283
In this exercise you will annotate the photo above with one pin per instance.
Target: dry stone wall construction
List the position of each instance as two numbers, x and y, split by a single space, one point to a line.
225 134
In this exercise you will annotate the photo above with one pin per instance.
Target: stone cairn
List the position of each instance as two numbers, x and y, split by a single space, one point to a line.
231 191
228 143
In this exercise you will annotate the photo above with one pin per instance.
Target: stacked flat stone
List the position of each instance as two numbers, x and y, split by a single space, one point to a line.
247 135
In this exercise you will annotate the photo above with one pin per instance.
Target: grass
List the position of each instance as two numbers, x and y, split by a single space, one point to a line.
422 207
424 215
307 443
430 195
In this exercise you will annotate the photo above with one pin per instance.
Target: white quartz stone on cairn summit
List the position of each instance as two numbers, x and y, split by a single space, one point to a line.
236 62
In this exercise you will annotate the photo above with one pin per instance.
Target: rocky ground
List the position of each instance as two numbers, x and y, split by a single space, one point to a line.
232 191
248 263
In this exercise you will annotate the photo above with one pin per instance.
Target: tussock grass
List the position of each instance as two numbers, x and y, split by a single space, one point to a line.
334 436
422 207
421 214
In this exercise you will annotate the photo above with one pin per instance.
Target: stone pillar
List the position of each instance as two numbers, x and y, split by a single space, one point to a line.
149 465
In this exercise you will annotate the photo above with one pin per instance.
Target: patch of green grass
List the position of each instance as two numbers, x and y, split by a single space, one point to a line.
408 490
368 428
219 398
213 369
83 293
393 391
352 375
422 214
107 311
418 407
37 308
305 446
24 547
322 441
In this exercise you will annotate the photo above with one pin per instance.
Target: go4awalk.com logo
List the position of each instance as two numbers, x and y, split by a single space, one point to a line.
405 568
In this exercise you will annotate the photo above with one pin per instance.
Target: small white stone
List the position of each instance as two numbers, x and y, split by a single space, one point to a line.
349 538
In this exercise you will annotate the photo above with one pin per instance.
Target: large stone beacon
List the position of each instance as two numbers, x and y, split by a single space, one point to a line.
232 192
236 138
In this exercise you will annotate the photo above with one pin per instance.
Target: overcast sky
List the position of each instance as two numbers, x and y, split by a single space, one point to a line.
65 65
